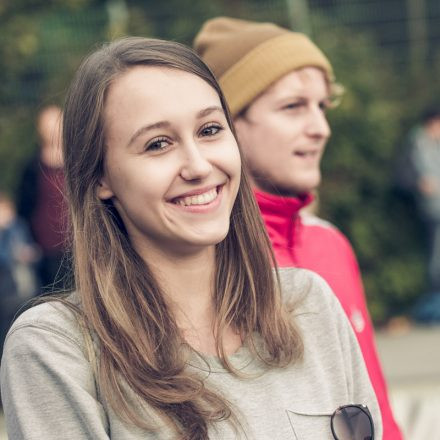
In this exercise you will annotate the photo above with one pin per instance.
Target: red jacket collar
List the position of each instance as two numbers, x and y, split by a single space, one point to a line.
281 206
279 214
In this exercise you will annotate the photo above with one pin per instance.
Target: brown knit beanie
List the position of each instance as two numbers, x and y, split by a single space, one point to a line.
247 57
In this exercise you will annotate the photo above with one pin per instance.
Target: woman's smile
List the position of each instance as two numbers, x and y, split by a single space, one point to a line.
200 201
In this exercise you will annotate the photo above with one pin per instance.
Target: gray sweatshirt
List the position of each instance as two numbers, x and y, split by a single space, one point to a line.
49 390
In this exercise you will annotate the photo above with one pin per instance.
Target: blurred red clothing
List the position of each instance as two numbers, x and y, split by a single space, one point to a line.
42 204
306 241
48 221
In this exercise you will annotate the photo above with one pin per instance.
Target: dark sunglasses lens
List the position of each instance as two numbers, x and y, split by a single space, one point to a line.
352 423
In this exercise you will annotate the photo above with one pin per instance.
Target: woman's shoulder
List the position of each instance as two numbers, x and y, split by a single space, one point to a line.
307 291
50 317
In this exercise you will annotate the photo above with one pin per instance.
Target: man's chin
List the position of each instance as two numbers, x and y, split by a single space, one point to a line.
292 188
295 190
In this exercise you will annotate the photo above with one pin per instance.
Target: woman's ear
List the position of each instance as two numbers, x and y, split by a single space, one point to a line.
103 190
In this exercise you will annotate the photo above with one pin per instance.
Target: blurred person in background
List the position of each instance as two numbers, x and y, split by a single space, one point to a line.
40 196
18 254
423 144
278 85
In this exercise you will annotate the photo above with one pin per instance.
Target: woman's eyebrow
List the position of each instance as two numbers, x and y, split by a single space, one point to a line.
144 129
207 111
166 124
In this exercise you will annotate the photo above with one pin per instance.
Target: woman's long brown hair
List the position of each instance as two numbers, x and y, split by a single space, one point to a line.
140 360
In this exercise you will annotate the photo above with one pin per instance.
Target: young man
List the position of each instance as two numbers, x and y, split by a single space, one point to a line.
278 85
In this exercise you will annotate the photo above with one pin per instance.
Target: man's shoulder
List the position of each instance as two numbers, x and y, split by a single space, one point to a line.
313 220
324 228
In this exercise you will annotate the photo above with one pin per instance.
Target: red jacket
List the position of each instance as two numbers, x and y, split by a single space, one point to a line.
306 241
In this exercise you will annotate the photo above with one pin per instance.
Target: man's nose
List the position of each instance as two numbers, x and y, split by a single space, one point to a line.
317 125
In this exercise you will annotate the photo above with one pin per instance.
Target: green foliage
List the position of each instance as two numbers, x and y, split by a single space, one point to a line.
359 193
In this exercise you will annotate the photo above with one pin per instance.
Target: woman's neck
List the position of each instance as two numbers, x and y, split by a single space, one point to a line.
188 284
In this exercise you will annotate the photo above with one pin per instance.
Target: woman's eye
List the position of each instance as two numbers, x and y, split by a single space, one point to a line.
210 130
157 144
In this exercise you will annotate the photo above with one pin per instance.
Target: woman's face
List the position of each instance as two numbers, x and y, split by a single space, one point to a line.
172 165
284 132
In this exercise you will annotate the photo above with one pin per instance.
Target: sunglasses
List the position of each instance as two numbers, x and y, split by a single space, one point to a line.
352 422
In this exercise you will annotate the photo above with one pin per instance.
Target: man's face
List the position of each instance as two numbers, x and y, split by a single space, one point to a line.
284 132
50 130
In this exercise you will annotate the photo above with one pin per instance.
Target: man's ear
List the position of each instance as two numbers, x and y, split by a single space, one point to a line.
103 190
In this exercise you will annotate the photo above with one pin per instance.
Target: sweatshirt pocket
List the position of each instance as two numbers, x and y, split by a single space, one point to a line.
311 424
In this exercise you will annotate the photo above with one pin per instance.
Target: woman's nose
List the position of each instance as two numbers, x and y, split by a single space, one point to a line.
195 165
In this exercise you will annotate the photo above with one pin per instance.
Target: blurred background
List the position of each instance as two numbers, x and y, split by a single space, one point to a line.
386 54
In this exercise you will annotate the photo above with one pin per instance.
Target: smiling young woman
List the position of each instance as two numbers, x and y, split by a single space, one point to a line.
178 326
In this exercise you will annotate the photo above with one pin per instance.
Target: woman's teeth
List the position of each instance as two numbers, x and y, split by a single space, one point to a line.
199 199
